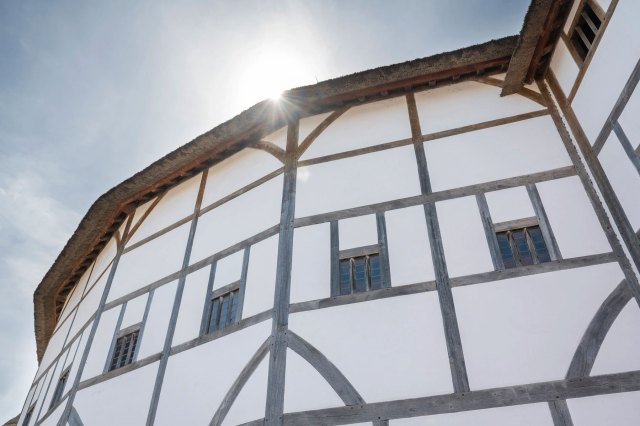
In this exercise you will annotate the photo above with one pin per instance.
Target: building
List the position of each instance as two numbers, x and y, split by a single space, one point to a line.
449 241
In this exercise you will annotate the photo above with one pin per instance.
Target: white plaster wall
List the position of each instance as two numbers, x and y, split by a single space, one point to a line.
36 401
75 296
238 219
624 178
101 343
629 119
388 349
107 404
526 330
78 351
362 126
89 305
236 172
41 409
357 181
208 384
279 137
191 306
609 69
521 415
620 350
151 261
620 409
135 311
177 204
509 204
311 263
500 152
228 269
304 388
103 261
261 277
250 403
574 223
308 124
357 232
564 67
465 244
409 249
155 330
54 417
54 347
467 103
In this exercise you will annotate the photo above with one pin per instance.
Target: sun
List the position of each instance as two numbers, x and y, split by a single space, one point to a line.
270 72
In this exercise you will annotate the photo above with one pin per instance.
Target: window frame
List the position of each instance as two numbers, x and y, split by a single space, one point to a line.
573 30
133 329
229 289
522 225
58 392
28 415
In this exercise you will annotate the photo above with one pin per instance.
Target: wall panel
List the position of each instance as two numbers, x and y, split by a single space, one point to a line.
526 330
135 311
629 119
509 204
501 152
208 383
250 403
261 277
311 264
356 181
388 349
155 330
101 344
358 232
620 350
191 307
620 409
564 67
467 103
362 126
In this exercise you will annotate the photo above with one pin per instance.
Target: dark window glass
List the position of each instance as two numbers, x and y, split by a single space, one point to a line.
224 311
359 274
520 247
27 417
124 350
57 394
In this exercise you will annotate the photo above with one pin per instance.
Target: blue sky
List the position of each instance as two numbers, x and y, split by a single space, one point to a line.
92 92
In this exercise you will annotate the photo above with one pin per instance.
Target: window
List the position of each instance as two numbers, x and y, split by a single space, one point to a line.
124 350
360 270
522 246
57 394
224 307
27 417
585 28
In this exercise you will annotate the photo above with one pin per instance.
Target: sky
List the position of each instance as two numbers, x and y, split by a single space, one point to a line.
92 92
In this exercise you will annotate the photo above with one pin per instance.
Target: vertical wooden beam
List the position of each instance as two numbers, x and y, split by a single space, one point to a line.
581 170
94 327
384 249
280 322
143 326
560 413
243 282
335 258
543 220
114 337
445 296
490 233
175 310
204 323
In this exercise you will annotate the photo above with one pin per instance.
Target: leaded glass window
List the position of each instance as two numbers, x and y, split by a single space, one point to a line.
224 310
523 246
360 273
124 350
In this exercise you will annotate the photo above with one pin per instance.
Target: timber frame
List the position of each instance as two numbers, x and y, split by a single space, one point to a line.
108 213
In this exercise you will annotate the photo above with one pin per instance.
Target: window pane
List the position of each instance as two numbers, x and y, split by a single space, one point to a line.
215 315
234 307
345 276
374 272
359 275
538 244
523 248
505 250
224 310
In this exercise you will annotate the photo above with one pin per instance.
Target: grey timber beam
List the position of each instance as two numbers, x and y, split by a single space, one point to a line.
589 346
74 418
306 143
560 413
384 249
472 400
631 241
271 148
143 326
164 357
116 330
239 383
490 233
335 257
617 109
204 322
94 327
280 321
445 296
627 146
543 221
